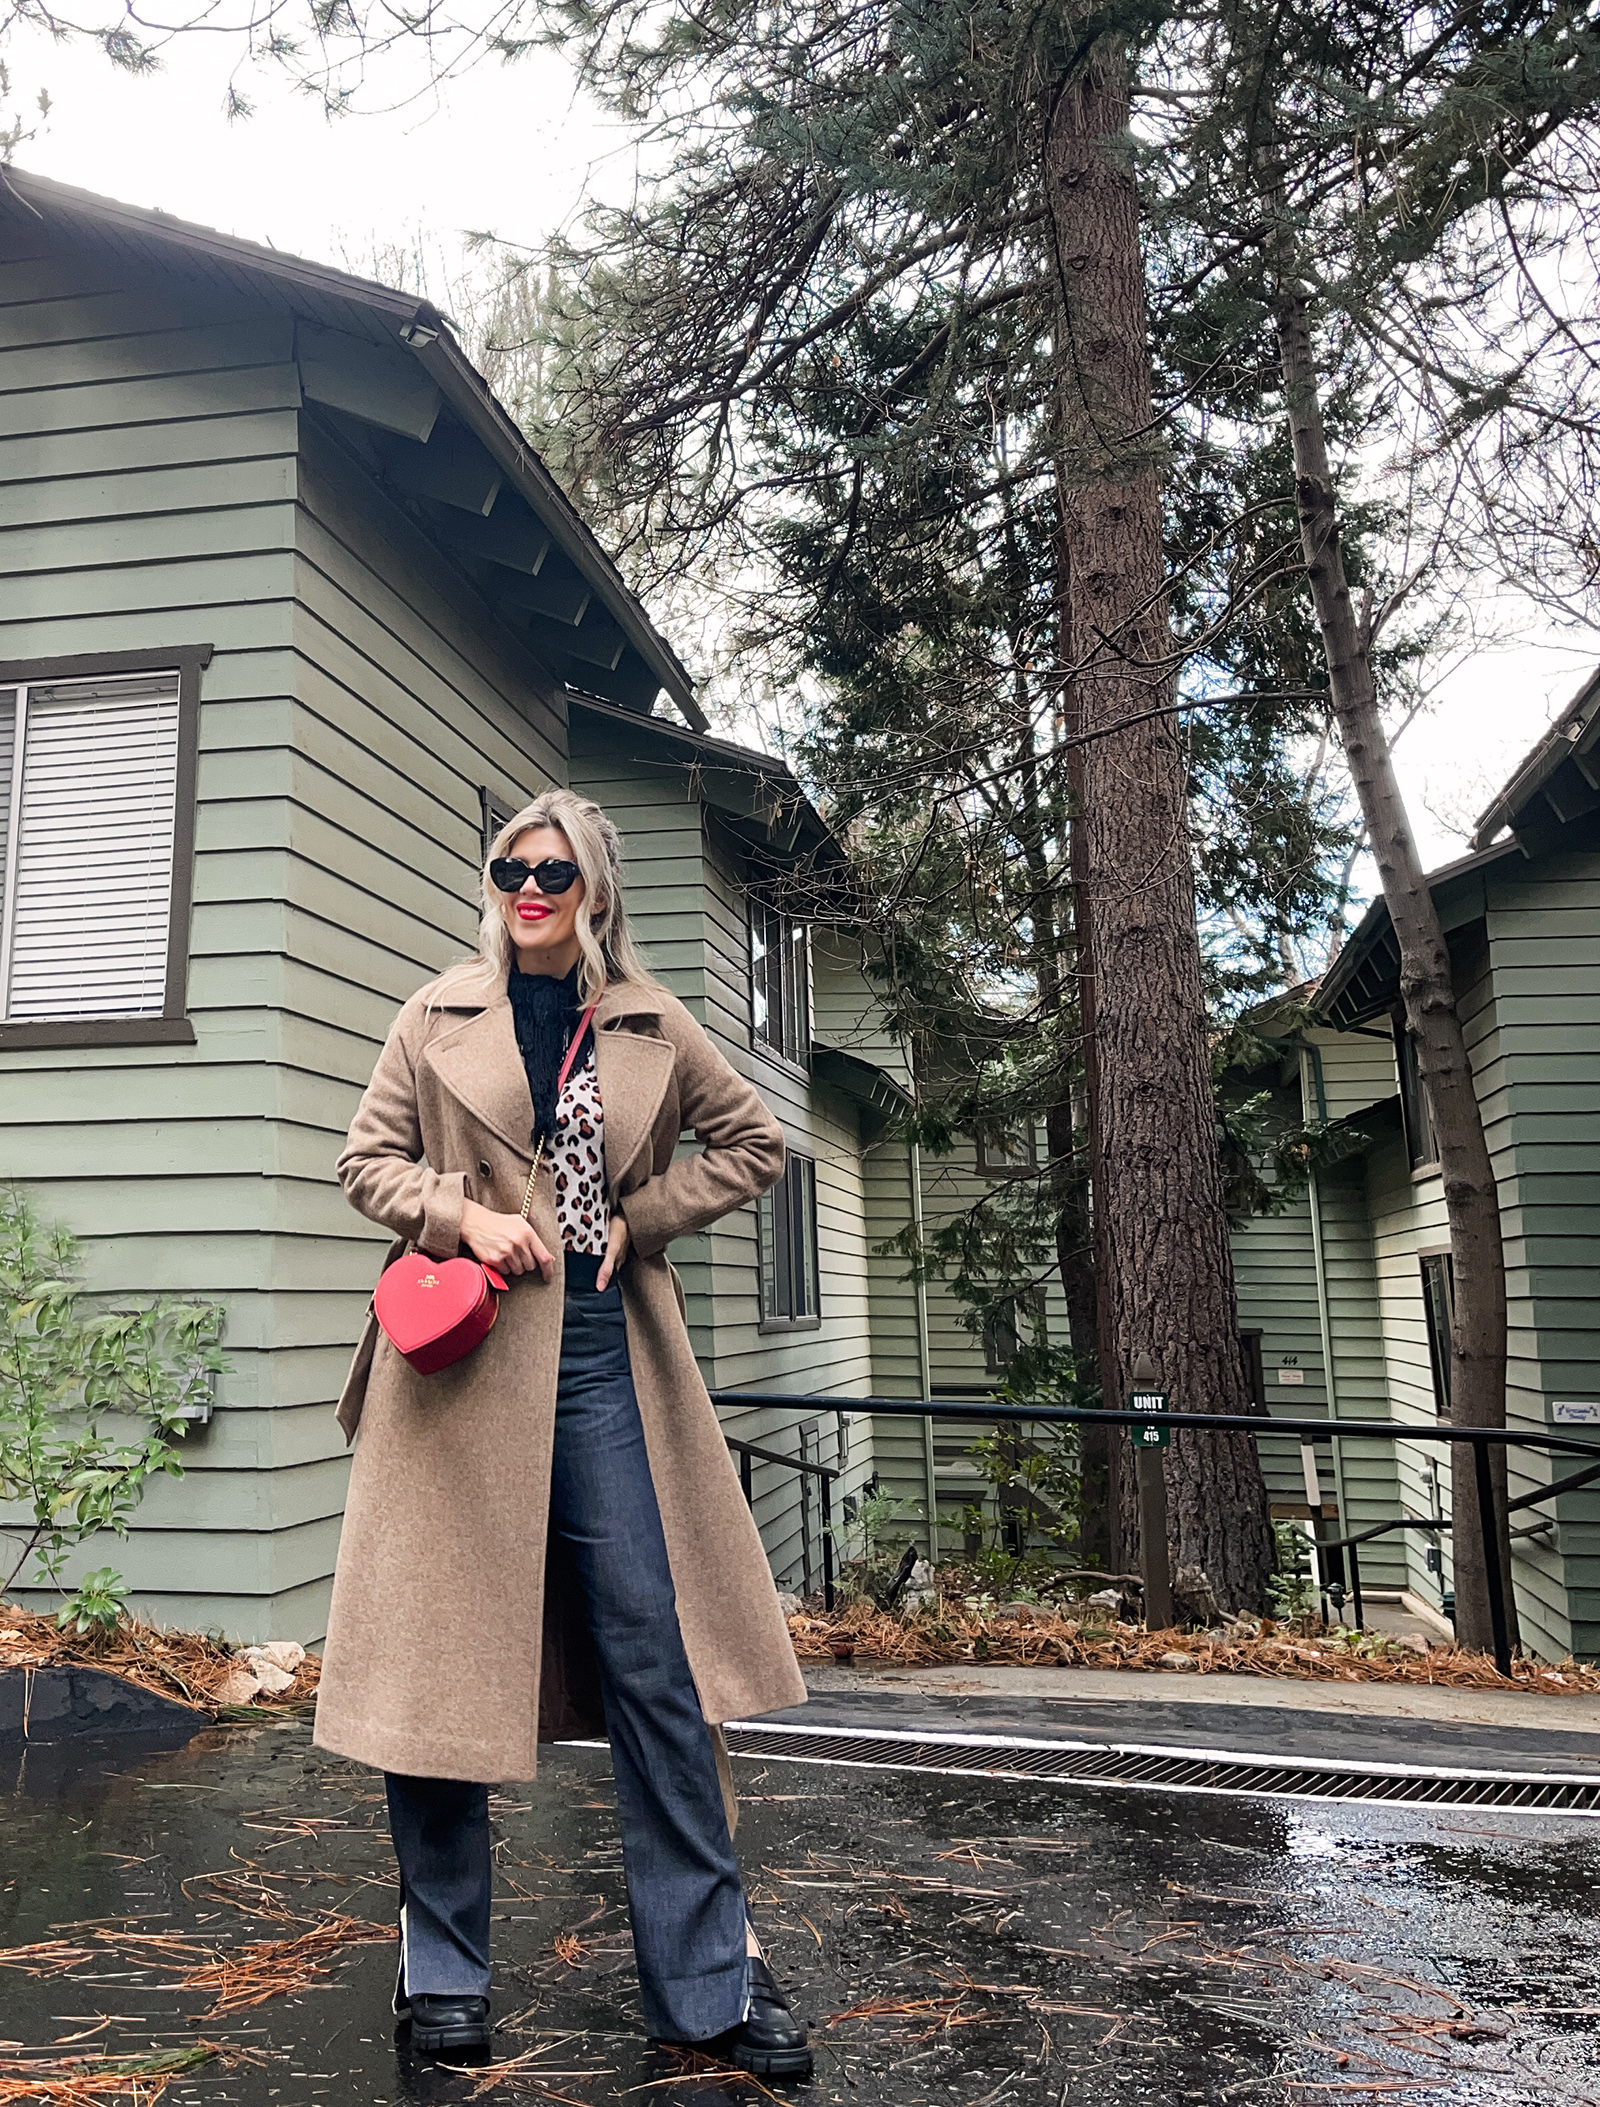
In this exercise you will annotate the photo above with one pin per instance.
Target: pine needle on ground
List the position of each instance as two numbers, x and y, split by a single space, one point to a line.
951 1633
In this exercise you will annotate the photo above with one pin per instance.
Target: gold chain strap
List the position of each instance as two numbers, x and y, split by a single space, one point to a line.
527 1197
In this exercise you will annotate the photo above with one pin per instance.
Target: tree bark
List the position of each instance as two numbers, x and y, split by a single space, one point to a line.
1067 1176
1472 1201
1168 1279
1092 1338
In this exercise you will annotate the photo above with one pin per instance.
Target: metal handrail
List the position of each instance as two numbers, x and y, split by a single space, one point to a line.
1099 1415
1256 1424
748 1449
1439 1524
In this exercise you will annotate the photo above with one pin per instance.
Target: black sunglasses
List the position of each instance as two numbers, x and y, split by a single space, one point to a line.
509 874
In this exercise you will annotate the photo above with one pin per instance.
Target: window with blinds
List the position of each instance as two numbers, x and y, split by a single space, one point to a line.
88 809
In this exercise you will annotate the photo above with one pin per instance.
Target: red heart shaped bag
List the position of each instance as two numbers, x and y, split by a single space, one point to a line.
436 1311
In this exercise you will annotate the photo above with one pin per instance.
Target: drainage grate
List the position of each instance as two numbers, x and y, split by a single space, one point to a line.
1168 1769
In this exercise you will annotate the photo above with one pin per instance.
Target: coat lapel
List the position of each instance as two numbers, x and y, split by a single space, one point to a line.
479 1063
633 1072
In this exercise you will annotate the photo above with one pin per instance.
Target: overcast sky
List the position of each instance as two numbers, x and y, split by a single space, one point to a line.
510 150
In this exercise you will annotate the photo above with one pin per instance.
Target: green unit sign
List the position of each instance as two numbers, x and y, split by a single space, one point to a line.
1158 1435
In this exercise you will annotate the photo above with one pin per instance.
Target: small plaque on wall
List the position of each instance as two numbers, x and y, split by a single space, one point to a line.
1291 1375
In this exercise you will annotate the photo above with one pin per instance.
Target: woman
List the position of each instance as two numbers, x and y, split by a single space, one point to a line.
548 1537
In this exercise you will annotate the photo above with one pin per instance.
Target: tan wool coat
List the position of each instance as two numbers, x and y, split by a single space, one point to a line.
456 1640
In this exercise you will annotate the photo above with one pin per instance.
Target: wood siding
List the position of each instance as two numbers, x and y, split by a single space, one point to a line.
148 477
160 485
1543 1064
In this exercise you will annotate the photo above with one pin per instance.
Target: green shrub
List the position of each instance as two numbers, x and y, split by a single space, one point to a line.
869 1554
68 1366
1292 1590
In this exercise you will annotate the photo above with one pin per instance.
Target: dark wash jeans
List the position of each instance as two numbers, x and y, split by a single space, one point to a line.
684 1893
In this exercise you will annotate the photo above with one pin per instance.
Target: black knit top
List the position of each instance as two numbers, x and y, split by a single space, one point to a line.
546 1012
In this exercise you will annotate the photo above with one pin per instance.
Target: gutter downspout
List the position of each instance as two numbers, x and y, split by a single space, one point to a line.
1320 1263
924 1358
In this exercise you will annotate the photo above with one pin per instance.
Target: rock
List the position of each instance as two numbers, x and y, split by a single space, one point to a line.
238 1687
922 1577
1416 1640
274 1664
1179 1663
273 1680
1016 1609
1107 1599
790 1604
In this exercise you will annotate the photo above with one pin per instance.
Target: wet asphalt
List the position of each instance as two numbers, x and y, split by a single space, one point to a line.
949 1940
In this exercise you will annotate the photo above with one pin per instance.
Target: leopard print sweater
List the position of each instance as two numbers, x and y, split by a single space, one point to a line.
577 1158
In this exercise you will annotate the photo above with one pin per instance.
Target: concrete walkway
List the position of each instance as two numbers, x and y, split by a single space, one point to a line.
1242 1714
1579 1713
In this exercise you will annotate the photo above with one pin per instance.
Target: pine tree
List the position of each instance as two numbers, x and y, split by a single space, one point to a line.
888 241
1370 186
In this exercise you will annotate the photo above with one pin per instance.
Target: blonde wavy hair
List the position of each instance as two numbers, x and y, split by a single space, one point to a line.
608 955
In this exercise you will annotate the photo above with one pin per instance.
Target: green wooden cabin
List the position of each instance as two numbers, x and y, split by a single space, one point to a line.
290 613
1349 1290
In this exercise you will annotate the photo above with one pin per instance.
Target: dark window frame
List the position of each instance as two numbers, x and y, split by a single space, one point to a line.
1002 1337
995 1161
1255 1367
173 1026
1416 1114
786 1226
789 1003
493 813
1438 1273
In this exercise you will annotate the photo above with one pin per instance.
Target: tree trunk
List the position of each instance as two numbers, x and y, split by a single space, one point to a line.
1100 1536
1472 1201
1168 1268
1067 1178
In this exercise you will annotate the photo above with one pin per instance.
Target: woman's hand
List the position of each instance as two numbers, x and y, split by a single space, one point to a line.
616 1251
504 1241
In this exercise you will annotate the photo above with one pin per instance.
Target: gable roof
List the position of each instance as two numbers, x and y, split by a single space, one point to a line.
1557 782
755 793
1364 980
386 368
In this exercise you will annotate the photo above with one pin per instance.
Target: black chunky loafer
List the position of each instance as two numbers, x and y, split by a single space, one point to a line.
451 2028
770 2042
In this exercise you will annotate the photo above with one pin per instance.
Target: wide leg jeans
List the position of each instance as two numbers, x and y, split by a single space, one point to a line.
684 1894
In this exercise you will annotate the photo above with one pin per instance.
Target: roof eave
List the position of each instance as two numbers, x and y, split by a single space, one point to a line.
1559 744
1357 986
810 835
468 395
426 334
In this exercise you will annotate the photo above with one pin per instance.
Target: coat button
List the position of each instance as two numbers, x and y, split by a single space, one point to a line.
484 1171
